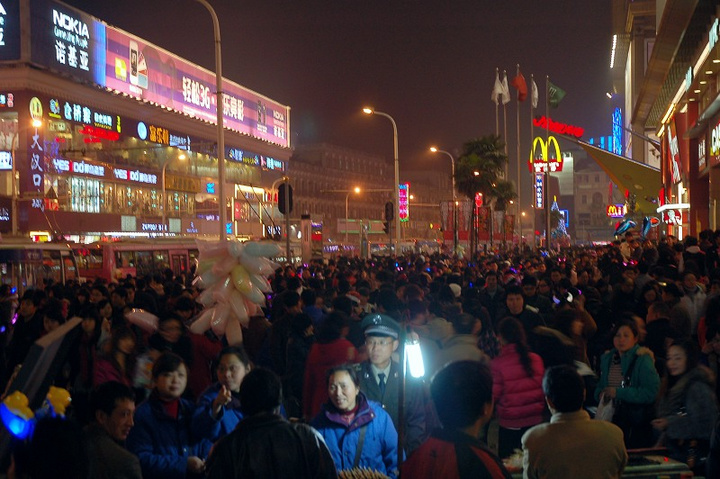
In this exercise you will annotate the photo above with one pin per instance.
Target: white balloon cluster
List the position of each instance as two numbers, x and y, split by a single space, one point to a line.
234 277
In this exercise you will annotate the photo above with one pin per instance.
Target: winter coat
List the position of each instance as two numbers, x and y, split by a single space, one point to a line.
450 454
644 379
205 425
267 446
162 443
689 406
379 451
694 302
519 399
414 402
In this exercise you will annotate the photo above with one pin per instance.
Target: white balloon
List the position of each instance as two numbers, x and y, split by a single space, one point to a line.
144 320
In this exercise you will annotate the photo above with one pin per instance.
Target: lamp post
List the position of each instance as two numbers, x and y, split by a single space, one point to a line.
454 196
220 129
371 111
356 190
164 190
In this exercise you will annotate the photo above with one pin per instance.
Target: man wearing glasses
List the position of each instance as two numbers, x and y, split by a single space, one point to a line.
381 378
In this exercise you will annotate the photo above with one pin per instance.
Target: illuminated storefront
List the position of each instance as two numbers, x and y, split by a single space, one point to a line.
106 130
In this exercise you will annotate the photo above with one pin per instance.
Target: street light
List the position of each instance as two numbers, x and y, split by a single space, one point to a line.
370 111
454 195
181 156
220 129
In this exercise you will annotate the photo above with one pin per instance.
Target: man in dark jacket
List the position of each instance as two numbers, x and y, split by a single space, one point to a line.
266 445
113 405
462 392
381 377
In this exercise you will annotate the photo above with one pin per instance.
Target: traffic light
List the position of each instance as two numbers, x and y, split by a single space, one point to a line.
389 211
285 190
386 227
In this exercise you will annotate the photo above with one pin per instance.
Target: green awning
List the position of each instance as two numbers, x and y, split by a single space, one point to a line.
638 178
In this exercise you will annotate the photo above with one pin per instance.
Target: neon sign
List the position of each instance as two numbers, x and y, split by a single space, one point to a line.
100 133
539 191
403 196
5 160
35 153
674 152
557 127
135 175
616 211
542 162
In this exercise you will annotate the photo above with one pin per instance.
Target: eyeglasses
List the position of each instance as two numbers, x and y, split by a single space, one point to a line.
370 342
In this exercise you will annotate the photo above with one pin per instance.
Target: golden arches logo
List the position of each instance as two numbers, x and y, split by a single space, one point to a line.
554 164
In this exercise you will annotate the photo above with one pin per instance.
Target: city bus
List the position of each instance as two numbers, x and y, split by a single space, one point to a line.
29 265
116 259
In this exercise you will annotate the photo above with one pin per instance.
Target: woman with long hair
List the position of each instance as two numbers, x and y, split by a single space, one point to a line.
517 386
687 407
119 363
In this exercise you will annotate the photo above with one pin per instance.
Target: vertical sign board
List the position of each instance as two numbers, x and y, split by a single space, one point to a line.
539 192
674 158
404 195
35 144
9 30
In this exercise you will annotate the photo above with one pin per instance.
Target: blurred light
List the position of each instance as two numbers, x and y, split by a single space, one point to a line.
608 94
476 173
433 149
37 123
414 358
368 111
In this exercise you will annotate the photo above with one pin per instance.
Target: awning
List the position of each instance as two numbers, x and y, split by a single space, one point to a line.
638 178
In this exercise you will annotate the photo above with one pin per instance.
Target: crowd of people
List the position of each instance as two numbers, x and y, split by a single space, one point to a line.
537 342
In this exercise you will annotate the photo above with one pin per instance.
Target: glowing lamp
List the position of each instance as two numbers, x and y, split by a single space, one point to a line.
414 358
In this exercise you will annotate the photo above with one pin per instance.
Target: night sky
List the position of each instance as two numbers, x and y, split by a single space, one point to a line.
429 64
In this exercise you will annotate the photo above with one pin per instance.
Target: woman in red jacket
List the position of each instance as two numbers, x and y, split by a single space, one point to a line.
517 386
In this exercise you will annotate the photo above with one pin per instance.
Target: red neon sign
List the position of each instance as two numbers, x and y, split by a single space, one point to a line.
100 133
557 127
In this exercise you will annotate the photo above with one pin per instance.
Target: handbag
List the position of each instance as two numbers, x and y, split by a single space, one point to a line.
629 415
606 409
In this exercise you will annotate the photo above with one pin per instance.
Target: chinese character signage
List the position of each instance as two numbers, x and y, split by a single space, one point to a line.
702 154
35 183
68 40
404 195
539 191
72 42
9 29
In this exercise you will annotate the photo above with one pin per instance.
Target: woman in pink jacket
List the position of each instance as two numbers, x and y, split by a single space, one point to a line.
517 386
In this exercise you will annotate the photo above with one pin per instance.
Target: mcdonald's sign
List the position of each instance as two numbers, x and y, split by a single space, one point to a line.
616 211
540 161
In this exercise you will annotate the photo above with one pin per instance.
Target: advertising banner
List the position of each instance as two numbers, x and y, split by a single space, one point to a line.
149 73
9 30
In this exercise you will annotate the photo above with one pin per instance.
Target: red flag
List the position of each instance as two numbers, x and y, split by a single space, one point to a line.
519 83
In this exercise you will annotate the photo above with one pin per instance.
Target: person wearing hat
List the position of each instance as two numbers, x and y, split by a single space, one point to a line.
381 378
680 318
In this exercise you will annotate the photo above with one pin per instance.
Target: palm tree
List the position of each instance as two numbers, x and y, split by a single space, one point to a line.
504 193
478 170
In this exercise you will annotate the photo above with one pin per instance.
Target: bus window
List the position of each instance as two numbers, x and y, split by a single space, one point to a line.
161 260
144 263
125 259
52 267
70 270
88 258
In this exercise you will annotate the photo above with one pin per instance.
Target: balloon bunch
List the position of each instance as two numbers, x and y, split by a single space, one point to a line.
234 276
649 222
623 226
20 420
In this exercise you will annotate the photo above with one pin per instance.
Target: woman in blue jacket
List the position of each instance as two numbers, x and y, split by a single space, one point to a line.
358 432
218 410
161 437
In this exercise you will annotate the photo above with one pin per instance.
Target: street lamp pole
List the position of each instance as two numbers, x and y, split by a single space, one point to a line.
220 129
370 111
454 196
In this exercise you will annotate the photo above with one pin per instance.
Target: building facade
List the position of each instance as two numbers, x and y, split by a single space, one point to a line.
666 61
103 134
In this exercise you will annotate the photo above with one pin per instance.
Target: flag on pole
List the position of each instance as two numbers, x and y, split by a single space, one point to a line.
497 89
555 95
519 83
505 90
534 94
